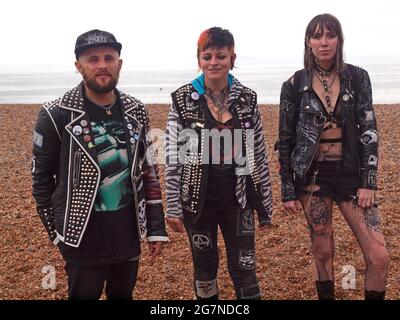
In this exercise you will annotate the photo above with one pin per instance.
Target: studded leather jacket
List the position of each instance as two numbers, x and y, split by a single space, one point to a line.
186 174
301 120
66 172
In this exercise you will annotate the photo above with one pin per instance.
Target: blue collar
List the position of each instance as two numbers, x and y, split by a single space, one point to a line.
198 83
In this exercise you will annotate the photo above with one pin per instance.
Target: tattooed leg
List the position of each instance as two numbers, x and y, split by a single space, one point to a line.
367 229
318 213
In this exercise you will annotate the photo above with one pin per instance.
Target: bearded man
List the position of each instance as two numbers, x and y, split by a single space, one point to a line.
95 183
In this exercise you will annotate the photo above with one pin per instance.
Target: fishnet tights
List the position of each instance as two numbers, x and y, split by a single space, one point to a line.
366 227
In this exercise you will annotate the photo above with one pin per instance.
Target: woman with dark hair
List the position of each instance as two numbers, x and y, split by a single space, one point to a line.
328 151
216 168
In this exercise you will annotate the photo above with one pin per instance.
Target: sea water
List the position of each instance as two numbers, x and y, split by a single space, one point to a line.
156 86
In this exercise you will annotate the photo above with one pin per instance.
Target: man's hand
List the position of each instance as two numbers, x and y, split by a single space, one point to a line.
155 249
293 206
176 224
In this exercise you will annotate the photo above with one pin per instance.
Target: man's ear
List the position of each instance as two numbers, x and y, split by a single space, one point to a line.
78 66
120 61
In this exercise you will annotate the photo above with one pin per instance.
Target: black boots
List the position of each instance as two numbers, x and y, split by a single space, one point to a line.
374 295
325 290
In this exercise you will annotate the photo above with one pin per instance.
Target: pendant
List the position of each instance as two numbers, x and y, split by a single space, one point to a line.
108 111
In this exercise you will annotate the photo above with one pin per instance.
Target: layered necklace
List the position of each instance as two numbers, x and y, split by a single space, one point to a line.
219 102
323 77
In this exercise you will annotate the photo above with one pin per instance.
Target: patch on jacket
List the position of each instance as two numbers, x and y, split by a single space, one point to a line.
373 160
185 193
142 217
191 103
369 115
38 139
33 165
372 178
286 105
369 137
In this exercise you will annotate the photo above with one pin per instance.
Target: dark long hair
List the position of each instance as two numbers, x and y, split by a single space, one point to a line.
332 24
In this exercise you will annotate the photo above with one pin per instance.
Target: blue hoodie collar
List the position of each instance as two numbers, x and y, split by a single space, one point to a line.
198 83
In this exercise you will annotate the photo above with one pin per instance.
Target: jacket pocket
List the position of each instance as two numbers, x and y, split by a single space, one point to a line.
76 168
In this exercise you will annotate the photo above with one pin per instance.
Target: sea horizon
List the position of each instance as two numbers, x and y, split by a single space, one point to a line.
155 86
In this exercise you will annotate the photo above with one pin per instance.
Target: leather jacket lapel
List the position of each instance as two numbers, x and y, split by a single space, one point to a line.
73 100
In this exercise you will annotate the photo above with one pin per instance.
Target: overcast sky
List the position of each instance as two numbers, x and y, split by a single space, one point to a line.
163 33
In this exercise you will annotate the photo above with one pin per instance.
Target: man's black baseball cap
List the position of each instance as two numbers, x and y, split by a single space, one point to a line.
96 38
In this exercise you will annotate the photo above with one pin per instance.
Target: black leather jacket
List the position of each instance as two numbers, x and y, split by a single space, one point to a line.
66 173
301 120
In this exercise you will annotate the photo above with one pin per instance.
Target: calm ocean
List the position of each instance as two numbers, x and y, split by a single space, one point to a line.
156 86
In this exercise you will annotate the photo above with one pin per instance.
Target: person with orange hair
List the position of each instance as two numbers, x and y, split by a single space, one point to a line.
217 169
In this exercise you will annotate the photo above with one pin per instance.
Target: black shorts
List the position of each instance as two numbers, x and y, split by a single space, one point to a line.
332 180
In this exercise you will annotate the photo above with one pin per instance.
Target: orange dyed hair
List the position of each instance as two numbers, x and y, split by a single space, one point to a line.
215 37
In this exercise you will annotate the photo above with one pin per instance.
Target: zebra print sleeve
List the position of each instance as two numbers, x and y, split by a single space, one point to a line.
173 167
260 155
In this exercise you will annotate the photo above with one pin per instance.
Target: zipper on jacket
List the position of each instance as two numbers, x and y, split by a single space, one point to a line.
315 149
76 168
135 178
321 115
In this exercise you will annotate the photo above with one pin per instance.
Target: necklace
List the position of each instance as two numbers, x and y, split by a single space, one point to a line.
322 71
219 102
323 78
108 108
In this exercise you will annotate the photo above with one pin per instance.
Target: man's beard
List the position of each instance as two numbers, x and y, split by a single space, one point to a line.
92 84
